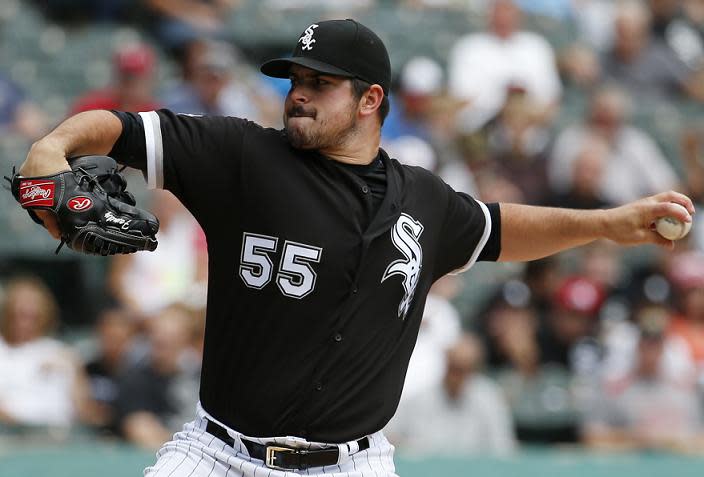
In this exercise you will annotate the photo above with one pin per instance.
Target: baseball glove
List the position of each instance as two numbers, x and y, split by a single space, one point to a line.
96 215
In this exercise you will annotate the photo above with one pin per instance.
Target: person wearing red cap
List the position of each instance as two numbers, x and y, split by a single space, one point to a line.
133 69
322 251
572 324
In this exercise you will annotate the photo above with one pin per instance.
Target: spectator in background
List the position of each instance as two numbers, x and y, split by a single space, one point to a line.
176 22
154 395
601 263
18 114
517 146
568 338
671 26
494 187
539 395
465 414
210 86
620 340
579 65
639 62
439 329
686 271
635 166
144 283
542 277
406 132
482 66
134 68
509 328
40 379
547 363
588 175
115 331
646 410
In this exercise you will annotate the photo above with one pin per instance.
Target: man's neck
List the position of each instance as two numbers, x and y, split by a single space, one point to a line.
355 151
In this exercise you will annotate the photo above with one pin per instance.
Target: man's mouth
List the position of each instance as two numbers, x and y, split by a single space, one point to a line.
300 112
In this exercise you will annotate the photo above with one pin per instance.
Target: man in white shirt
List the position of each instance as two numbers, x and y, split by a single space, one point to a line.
483 66
635 165
464 414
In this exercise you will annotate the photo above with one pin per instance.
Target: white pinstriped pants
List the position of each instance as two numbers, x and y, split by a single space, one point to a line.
195 453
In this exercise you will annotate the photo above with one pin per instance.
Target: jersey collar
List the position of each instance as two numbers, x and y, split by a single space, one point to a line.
390 208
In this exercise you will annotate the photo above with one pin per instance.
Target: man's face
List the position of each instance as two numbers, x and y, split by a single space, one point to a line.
320 111
505 18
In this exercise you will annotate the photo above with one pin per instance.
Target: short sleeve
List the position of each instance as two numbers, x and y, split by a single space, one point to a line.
470 233
197 158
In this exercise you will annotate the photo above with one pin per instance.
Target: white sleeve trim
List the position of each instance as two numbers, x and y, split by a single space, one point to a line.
482 241
155 149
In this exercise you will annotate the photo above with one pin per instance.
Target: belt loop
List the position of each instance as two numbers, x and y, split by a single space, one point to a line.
353 447
343 453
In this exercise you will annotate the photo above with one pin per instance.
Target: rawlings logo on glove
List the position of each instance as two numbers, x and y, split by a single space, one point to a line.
95 213
36 193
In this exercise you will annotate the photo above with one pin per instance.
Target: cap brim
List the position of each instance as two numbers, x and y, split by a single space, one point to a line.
279 68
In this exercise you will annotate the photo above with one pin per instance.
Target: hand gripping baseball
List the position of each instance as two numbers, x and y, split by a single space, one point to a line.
635 223
95 213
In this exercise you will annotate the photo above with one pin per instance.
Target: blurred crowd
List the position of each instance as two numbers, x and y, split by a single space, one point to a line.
590 347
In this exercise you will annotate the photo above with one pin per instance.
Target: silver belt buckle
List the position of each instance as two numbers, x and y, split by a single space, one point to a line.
271 457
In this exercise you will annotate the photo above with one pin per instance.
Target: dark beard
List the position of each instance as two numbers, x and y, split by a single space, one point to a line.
307 139
302 140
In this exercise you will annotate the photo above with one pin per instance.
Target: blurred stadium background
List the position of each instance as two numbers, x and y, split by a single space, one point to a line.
589 363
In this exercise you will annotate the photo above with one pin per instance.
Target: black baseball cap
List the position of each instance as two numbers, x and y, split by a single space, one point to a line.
338 47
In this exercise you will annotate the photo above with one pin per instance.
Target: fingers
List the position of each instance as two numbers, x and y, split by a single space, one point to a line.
677 198
50 223
671 209
661 241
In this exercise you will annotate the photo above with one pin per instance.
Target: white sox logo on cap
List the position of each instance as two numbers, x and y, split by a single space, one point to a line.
307 38
405 235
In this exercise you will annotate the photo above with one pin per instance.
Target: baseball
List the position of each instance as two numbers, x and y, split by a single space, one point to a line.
672 228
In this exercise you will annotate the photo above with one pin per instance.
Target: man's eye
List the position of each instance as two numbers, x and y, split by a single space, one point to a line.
321 82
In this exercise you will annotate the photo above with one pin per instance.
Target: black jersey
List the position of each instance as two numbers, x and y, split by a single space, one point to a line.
313 309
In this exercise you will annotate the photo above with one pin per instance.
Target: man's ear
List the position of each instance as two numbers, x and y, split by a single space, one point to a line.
371 100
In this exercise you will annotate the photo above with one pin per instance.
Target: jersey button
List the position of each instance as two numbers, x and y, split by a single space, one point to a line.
338 337
365 190
355 290
318 386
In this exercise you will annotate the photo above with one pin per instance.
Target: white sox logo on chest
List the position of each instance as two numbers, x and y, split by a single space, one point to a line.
405 235
307 38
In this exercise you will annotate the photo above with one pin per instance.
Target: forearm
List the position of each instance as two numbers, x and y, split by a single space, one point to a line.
90 132
530 233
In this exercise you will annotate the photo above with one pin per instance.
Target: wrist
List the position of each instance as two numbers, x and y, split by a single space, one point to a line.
603 228
46 157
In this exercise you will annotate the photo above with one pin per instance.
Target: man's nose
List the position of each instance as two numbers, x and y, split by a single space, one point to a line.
300 94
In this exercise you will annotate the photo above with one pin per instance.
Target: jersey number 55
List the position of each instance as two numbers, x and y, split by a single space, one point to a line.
295 277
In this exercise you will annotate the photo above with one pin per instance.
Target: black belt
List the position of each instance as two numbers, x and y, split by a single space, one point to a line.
284 458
